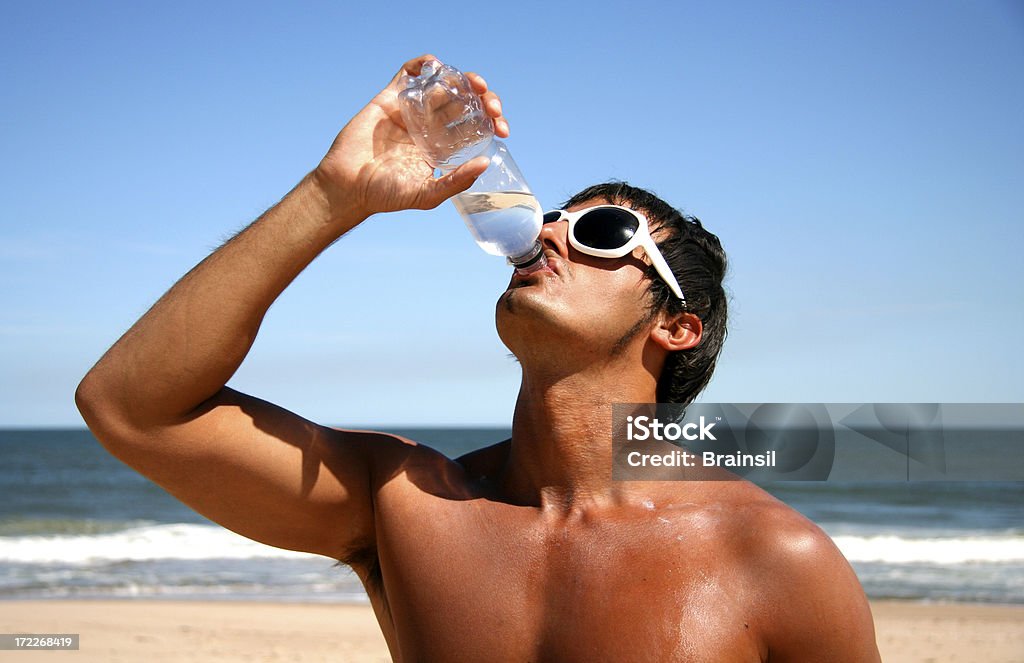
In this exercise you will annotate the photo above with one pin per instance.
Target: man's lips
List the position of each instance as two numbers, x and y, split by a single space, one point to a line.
551 270
554 262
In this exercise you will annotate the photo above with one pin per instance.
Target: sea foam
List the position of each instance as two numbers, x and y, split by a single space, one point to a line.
153 542
938 550
197 542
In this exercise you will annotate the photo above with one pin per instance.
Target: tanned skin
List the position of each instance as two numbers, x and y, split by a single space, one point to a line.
524 551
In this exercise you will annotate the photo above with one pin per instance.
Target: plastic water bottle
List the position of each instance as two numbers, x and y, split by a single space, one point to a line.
446 120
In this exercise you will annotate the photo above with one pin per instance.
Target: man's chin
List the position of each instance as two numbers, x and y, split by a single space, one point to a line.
520 299
509 300
518 312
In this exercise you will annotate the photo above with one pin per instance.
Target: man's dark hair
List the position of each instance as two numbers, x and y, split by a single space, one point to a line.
696 258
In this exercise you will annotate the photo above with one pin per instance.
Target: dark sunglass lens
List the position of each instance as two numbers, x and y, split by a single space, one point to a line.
606 228
551 217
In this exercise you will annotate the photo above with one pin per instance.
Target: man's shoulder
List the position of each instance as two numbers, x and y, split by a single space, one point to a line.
769 521
782 567
485 462
757 530
390 455
800 575
403 464
740 503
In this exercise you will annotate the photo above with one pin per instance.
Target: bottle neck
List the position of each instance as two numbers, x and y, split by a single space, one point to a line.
531 261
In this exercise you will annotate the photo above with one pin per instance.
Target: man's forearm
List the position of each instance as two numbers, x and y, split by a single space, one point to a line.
193 339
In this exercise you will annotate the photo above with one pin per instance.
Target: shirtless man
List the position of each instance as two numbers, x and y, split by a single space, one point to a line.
527 550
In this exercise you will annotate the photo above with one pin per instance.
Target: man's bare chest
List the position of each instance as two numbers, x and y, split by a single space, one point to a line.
476 580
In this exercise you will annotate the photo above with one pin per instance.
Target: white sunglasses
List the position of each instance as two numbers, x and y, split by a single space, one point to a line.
613 231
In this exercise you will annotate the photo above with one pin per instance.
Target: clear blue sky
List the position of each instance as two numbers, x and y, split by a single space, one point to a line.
862 162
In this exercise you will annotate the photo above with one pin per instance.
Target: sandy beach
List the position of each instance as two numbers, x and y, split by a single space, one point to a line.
178 631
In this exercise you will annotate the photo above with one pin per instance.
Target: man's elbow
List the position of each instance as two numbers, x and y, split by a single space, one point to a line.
88 399
100 411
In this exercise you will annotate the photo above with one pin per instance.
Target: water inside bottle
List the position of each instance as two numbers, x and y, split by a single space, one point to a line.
504 223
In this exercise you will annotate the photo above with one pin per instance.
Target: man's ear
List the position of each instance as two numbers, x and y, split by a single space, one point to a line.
681 331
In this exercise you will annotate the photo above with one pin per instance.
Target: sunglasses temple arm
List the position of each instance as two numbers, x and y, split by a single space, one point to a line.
662 267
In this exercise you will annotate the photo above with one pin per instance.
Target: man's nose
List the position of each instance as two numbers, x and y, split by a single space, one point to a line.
555 236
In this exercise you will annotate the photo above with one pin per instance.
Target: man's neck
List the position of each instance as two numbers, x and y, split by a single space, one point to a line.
561 452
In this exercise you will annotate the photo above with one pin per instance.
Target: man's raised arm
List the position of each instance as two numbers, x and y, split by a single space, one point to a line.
157 399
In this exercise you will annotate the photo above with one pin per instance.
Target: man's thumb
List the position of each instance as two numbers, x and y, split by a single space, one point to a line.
459 179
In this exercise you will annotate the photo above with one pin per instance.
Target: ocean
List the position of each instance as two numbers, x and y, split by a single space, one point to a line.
76 523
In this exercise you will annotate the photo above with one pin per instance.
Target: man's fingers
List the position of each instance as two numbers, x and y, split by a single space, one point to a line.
463 177
412 67
455 182
492 103
493 108
477 82
473 168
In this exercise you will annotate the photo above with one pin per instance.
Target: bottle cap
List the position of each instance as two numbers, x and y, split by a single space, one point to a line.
530 262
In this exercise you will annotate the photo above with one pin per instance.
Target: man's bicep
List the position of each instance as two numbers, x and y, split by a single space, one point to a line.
265 473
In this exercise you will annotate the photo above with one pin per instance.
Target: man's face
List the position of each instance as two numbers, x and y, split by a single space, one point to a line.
579 303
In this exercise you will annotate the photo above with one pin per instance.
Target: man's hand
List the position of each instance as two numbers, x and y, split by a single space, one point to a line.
373 165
